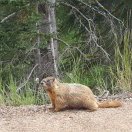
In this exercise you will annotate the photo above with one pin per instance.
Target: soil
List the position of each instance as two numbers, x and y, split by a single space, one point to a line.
35 119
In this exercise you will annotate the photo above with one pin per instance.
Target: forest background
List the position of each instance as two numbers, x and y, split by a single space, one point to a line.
81 41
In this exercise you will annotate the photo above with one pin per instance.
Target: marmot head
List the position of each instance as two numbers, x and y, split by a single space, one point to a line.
48 83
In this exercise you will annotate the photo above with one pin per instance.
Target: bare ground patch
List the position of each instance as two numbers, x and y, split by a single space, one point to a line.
35 119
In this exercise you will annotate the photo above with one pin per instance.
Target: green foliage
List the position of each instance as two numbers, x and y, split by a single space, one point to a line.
122 70
90 64
9 95
99 76
94 76
94 48
1 93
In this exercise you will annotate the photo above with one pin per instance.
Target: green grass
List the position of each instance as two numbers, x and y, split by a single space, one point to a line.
116 77
94 77
121 72
9 95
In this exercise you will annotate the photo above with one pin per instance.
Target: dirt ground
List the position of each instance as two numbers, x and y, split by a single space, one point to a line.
35 119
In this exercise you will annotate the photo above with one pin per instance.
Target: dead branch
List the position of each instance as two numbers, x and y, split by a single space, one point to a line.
91 7
24 83
9 16
62 41
73 7
92 35
99 4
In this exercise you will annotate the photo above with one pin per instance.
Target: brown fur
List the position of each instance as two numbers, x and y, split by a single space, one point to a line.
109 104
72 95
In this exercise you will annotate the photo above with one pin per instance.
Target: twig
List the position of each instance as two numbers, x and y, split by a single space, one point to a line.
73 7
94 9
102 13
81 53
62 41
9 16
108 11
105 94
82 23
72 47
23 84
68 44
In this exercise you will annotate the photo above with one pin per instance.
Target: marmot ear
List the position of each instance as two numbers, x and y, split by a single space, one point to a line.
44 75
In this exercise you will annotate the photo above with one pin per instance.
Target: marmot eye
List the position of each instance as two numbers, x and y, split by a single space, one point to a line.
48 81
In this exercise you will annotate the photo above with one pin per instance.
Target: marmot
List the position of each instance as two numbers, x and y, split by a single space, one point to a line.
73 95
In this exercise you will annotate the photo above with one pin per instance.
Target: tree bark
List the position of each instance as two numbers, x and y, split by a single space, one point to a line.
46 58
53 31
37 51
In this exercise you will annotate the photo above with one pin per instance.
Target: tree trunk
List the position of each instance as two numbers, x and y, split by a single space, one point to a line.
47 57
37 51
53 31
